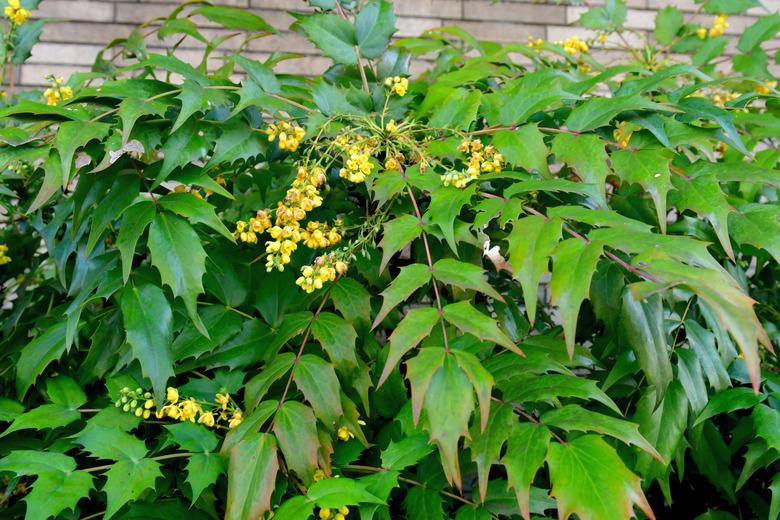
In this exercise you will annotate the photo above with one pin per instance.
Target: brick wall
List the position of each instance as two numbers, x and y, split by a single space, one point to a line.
85 26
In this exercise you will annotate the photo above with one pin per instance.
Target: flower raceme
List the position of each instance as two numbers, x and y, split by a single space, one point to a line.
210 414
56 92
718 28
288 135
15 13
398 85
482 159
4 258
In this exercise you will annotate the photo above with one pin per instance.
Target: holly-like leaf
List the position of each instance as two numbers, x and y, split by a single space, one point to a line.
135 219
757 225
463 275
317 380
413 328
573 417
374 25
196 210
587 156
148 322
337 492
525 454
531 243
574 262
485 444
334 36
419 371
448 404
642 326
122 193
767 421
409 279
337 337
468 319
295 428
702 194
596 112
37 355
406 452
127 480
650 169
481 379
554 386
590 480
524 147
352 300
234 18
180 258
251 477
397 233
72 135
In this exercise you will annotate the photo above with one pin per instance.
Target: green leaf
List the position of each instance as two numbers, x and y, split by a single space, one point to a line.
406 452
702 194
203 470
415 326
65 391
480 379
126 481
409 279
485 444
148 322
419 371
43 417
703 343
37 355
261 74
549 387
131 109
464 275
589 480
258 386
374 25
729 6
52 180
574 262
352 300
531 242
423 504
650 169
134 222
524 147
587 156
337 492
189 143
334 36
180 258
251 477
574 417
728 401
234 18
72 135
197 210
525 454
757 225
25 38
597 112
397 233
469 320
317 380
295 508
295 428
642 327
767 421
122 193
668 23
337 337
448 404
765 28
458 110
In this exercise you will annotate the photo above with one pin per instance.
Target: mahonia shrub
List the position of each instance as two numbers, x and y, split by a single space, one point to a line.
521 283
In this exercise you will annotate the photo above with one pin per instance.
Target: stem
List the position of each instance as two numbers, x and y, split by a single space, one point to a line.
159 457
291 102
430 262
517 408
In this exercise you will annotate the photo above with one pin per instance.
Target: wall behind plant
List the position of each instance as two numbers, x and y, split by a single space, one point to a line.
85 26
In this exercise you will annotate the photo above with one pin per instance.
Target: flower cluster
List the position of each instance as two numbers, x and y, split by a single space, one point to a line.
766 88
318 235
344 434
719 27
57 92
535 43
181 188
622 134
16 13
289 135
4 258
358 157
326 514
398 85
223 409
248 231
573 45
482 159
324 269
721 98
602 38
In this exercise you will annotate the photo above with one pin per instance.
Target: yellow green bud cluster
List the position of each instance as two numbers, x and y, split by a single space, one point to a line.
181 188
535 43
138 402
398 85
323 270
4 258
288 135
358 163
56 92
326 513
719 27
248 231
573 45
15 13
482 159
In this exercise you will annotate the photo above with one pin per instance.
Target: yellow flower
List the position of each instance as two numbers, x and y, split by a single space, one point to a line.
398 85
344 434
719 26
4 259
766 89
16 13
324 513
207 419
391 126
223 399
189 410
574 45
701 32
319 475
391 164
172 395
602 38
237 419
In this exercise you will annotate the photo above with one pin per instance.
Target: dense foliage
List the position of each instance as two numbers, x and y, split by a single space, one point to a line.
522 284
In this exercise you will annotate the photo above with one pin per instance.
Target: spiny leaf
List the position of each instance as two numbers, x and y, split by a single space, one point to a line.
485 444
251 477
464 275
374 25
413 328
126 481
72 135
419 371
296 430
37 355
197 210
525 454
468 319
337 337
317 380
574 262
397 233
524 147
702 194
134 222
585 154
409 279
335 37
554 386
650 169
480 379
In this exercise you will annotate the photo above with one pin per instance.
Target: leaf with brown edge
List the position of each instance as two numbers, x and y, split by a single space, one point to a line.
409 279
590 480
419 371
525 454
413 328
251 477
448 405
480 379
295 428
317 380
485 444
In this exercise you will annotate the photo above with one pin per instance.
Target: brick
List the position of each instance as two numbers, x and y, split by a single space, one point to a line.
408 27
71 54
429 8
32 74
76 10
284 5
85 32
498 31
513 12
